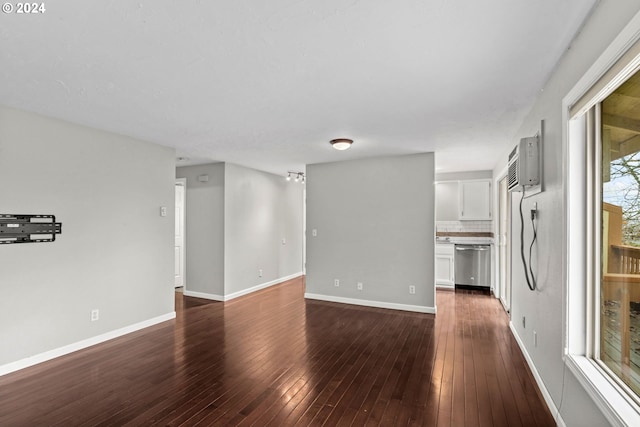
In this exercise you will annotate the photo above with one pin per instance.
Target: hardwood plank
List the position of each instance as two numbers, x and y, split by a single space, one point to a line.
274 359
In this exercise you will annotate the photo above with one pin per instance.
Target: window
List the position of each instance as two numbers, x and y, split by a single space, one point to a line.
602 155
618 284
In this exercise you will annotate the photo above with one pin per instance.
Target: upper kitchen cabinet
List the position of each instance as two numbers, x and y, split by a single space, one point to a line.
474 198
447 201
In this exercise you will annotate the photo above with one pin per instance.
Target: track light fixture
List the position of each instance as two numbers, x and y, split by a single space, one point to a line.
297 177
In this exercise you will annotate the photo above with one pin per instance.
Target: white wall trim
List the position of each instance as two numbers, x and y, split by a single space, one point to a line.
243 292
203 295
80 345
616 407
368 303
262 286
629 35
543 389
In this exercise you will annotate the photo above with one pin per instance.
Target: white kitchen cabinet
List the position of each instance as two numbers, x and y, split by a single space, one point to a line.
447 201
475 199
444 265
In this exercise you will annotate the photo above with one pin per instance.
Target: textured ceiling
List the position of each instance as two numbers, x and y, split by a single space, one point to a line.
266 84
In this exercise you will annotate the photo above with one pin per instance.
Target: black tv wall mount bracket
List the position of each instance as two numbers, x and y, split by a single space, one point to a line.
28 228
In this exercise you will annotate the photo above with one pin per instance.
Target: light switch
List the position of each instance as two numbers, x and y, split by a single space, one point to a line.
314 232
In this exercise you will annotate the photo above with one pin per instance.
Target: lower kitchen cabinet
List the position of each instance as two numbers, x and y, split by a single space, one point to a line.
444 265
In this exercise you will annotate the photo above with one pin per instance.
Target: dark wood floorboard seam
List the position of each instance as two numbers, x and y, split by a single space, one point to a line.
273 358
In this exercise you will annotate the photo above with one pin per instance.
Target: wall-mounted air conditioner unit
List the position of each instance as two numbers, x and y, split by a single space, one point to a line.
524 164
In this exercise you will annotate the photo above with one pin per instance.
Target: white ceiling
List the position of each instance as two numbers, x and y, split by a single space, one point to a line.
266 84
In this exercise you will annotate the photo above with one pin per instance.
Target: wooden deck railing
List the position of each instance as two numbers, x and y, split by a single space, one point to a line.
621 279
624 288
625 259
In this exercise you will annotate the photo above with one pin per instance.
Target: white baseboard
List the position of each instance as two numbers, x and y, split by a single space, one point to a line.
242 292
543 389
377 304
80 345
261 286
212 297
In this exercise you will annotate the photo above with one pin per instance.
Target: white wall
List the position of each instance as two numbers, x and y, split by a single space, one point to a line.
543 308
260 210
375 224
115 252
204 236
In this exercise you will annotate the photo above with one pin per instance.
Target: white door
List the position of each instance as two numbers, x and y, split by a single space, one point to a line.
504 247
179 240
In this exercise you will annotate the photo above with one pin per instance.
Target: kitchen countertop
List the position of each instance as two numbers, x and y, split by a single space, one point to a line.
470 238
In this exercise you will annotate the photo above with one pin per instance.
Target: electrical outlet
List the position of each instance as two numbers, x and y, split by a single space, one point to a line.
412 289
95 315
260 273
524 322
336 283
359 286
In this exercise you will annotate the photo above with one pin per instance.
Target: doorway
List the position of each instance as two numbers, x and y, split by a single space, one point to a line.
504 244
179 255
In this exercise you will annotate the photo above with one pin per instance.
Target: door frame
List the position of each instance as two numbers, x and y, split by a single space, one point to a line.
304 231
183 182
503 263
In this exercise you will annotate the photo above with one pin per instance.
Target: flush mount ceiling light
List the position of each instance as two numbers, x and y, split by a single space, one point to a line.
341 143
297 176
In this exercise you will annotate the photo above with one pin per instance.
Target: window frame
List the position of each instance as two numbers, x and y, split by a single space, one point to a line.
582 222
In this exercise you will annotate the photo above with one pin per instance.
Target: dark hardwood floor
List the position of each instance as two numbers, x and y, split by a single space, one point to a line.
275 359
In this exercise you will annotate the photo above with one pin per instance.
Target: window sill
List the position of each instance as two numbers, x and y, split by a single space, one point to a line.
614 404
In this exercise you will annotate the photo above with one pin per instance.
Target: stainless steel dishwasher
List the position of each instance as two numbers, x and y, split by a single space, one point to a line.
473 265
